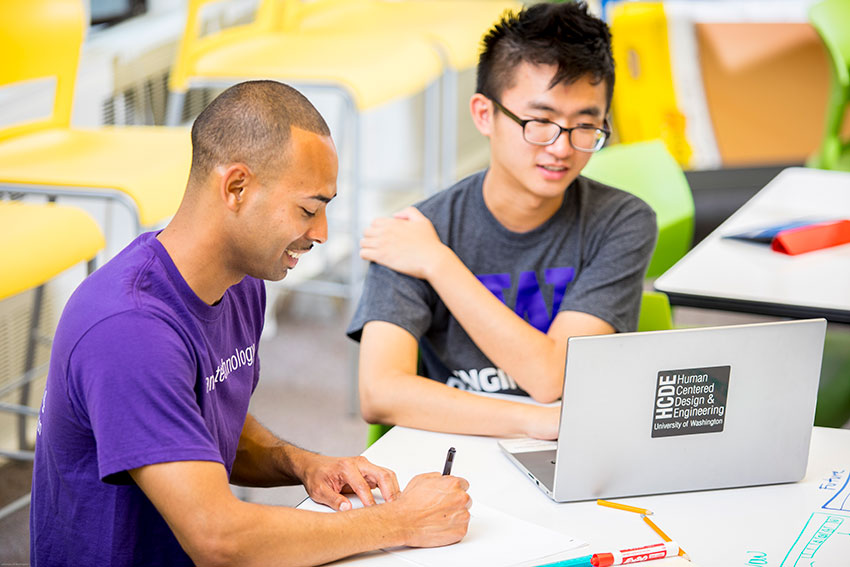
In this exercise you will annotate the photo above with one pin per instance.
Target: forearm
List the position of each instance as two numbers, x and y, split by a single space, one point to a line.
267 535
262 459
413 401
215 528
532 358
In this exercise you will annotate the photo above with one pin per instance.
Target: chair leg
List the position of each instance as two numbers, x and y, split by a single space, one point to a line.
355 276
29 363
18 504
448 167
430 155
174 109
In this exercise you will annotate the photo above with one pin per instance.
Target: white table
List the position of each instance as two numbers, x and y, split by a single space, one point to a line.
733 275
770 526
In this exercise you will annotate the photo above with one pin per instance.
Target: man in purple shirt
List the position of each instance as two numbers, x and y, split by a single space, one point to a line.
144 420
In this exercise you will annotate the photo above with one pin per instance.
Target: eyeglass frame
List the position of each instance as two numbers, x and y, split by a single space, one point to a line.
569 131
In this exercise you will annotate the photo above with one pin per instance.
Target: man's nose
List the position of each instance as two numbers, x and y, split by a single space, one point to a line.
318 231
561 148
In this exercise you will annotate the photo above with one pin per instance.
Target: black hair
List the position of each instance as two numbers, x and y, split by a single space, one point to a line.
250 123
564 35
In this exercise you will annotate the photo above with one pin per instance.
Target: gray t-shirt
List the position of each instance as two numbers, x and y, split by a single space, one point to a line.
590 256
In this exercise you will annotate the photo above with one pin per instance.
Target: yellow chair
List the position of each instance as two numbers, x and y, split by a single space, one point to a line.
42 241
655 315
644 105
453 28
368 70
142 168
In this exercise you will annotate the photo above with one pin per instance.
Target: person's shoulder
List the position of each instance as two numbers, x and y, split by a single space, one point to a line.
113 288
132 288
599 196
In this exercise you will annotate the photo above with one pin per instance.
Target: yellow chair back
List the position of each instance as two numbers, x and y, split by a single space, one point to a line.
41 39
269 17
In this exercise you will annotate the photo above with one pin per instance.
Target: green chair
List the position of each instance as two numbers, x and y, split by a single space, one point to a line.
647 169
375 432
831 19
655 315
833 408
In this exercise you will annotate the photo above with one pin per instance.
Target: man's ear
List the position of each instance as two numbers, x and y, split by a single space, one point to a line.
482 110
233 181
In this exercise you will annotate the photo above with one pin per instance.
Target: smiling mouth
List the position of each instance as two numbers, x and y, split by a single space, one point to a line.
294 254
556 168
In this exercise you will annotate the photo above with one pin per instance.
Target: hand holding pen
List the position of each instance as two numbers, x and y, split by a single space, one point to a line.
436 507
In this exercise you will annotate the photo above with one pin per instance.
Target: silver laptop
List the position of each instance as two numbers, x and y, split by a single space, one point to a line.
686 409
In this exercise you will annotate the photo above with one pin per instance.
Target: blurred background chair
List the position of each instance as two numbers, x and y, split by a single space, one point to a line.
831 19
375 432
647 169
453 28
40 242
655 312
142 168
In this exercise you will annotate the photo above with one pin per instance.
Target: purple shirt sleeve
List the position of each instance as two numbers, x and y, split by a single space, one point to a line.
133 375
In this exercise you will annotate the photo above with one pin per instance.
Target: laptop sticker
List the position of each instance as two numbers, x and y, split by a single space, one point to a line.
690 401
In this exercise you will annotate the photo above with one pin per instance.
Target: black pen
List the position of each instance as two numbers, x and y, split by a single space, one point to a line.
450 458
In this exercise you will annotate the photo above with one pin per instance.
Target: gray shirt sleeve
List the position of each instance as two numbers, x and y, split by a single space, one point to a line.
608 283
395 298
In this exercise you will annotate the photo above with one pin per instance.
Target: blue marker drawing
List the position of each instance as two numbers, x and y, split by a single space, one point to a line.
840 500
813 540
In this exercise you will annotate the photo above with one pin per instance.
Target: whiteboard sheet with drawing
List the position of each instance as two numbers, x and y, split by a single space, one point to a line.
804 524
824 540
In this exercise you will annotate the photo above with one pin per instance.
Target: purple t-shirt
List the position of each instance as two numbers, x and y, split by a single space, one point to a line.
142 371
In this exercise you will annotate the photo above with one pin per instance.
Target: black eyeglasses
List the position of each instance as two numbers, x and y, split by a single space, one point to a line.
584 138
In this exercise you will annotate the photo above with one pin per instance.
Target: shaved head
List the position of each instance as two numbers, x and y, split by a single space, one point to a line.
251 123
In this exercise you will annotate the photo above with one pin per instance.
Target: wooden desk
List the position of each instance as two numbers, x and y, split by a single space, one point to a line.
768 526
734 275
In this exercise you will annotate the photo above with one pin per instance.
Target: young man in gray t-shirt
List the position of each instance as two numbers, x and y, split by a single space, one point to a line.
478 288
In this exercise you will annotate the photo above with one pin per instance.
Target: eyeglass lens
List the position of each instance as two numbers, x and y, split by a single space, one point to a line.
544 133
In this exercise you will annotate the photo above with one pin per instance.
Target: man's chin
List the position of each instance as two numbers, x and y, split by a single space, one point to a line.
271 276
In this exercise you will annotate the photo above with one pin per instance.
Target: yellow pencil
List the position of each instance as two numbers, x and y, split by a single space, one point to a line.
664 536
625 507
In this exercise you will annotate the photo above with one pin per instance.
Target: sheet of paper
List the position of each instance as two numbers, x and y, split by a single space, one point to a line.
526 445
494 539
